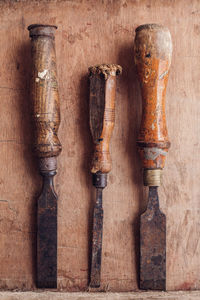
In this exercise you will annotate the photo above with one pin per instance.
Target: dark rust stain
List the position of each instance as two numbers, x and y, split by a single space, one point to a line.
186 286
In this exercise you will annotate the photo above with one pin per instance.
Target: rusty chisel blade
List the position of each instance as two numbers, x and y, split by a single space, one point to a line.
97 234
153 245
47 235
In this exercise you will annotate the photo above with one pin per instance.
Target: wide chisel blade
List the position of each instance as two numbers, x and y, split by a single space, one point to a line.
153 245
47 236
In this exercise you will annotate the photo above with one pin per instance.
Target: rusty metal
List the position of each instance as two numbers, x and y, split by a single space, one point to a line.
100 182
47 234
153 245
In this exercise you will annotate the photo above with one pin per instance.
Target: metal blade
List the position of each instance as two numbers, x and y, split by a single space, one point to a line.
47 236
153 245
97 233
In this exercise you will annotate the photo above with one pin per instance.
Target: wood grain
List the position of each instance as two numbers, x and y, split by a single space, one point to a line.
152 53
89 33
44 91
102 113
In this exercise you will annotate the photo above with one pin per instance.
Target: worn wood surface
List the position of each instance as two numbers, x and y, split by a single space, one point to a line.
89 33
102 114
44 91
191 295
152 53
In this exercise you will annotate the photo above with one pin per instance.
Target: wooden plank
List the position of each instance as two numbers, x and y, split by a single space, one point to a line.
194 295
89 33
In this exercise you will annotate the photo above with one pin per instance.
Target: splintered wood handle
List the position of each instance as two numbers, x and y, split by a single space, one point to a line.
102 113
152 53
45 97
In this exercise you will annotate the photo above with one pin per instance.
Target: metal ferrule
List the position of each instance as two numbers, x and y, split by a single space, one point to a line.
48 166
152 177
36 30
99 180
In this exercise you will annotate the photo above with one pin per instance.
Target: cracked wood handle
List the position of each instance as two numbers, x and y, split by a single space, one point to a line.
152 53
45 97
102 113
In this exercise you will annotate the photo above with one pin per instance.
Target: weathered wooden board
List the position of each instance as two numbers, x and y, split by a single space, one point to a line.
89 33
48 295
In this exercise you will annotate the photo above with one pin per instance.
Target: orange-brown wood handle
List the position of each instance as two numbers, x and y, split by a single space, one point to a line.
152 53
102 113
44 89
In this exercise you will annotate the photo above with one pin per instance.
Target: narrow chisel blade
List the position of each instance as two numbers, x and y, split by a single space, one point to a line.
97 234
153 245
47 236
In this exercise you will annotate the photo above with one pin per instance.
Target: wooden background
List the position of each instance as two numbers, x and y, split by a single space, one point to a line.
92 32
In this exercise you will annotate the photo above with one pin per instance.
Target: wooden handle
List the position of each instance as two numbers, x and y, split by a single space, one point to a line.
46 105
152 52
102 113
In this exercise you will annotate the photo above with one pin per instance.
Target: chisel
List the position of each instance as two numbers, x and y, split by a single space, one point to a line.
46 119
152 53
102 118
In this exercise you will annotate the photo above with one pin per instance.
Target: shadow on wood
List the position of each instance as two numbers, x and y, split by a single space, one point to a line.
87 155
130 84
22 80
